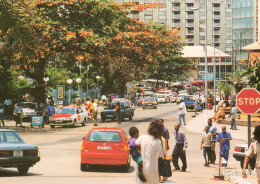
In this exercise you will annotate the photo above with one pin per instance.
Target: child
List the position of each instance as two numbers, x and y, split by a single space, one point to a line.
206 145
134 133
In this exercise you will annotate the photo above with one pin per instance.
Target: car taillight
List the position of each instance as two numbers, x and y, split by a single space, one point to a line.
239 149
5 153
123 147
31 152
84 147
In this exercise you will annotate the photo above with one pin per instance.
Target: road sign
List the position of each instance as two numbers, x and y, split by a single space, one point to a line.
210 77
248 101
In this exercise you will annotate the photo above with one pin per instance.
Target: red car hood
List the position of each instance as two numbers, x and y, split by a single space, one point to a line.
61 116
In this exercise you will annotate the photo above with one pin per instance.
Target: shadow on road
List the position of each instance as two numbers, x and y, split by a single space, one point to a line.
109 169
11 173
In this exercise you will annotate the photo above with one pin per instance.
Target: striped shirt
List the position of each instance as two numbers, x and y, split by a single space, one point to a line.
180 138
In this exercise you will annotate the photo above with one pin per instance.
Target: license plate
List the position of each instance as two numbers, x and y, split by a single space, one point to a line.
58 121
18 153
104 147
109 116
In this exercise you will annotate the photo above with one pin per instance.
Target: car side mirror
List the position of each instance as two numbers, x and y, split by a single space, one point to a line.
83 138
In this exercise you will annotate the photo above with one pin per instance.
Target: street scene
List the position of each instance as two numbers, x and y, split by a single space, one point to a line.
127 92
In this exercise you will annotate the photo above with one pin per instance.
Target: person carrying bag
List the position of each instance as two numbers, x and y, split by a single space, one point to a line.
164 165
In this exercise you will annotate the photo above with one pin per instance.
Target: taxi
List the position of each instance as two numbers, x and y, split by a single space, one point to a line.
105 146
69 116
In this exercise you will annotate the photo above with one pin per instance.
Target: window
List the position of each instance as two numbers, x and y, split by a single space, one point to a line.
104 137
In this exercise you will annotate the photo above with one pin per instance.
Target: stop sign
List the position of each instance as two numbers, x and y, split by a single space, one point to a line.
248 101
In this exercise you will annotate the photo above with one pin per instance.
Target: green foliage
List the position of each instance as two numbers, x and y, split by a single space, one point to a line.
252 75
227 89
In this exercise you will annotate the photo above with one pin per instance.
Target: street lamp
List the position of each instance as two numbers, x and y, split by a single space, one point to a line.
46 79
69 81
97 77
78 80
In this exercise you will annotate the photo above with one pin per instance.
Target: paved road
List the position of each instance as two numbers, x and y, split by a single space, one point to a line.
60 155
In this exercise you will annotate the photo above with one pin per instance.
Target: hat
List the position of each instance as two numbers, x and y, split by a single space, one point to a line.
257 130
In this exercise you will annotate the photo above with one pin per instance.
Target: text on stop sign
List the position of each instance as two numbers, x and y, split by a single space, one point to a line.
248 101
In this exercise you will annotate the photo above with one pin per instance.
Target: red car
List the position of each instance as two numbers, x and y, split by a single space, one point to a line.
105 146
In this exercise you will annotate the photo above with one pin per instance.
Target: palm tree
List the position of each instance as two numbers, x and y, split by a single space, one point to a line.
237 79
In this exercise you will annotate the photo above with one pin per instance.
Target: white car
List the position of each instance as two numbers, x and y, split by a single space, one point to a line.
69 116
161 99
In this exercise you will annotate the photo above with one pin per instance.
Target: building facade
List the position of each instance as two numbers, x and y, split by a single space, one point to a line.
245 29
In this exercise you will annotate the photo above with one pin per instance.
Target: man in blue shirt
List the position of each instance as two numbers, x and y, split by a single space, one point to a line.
18 114
179 150
50 109
224 138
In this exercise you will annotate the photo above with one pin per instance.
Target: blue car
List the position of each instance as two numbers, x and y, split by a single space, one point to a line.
189 102
110 113
14 152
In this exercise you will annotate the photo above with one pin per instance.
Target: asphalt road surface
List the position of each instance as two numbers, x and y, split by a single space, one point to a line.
60 155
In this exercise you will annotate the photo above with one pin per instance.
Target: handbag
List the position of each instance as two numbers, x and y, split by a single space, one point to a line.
164 166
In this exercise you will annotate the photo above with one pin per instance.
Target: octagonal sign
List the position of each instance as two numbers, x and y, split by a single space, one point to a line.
248 101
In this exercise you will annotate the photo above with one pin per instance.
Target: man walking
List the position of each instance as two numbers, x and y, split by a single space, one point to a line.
18 111
179 150
182 112
118 112
206 145
2 110
224 138
214 132
8 107
233 115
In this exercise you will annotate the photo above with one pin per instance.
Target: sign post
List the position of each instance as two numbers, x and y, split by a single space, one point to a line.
248 102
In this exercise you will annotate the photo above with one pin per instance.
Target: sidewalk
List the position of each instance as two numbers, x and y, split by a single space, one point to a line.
198 123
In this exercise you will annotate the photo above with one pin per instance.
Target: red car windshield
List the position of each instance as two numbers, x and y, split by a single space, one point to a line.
66 111
104 137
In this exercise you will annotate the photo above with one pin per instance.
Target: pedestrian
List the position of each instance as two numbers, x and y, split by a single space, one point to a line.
86 104
165 140
179 150
136 155
206 145
197 106
182 112
254 151
50 109
224 138
65 101
210 102
214 132
90 109
78 101
233 115
2 110
95 111
118 112
151 150
18 111
8 107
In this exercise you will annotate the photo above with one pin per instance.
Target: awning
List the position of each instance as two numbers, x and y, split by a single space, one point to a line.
253 46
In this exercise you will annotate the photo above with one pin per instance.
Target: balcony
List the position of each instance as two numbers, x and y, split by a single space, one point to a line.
189 16
216 24
176 25
190 24
176 8
216 40
216 16
190 40
217 8
216 32
176 16
190 32
189 8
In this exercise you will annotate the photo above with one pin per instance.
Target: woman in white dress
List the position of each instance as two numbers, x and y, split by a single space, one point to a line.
151 150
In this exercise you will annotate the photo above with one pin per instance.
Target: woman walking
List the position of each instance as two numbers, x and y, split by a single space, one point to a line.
151 150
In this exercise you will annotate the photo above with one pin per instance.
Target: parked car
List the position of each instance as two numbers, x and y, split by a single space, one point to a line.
14 152
239 155
149 102
69 116
105 146
109 112
189 102
29 110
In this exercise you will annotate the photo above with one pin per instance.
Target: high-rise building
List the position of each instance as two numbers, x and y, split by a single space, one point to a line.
245 29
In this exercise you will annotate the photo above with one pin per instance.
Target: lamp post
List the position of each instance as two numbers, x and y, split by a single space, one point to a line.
46 79
206 62
78 80
69 81
97 77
